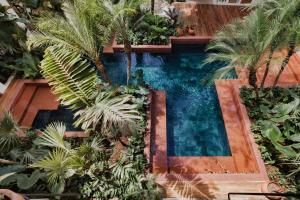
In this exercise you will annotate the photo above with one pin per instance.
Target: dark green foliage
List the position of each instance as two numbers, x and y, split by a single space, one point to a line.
152 29
276 128
13 52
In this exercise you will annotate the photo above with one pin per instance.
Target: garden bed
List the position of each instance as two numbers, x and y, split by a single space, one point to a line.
275 125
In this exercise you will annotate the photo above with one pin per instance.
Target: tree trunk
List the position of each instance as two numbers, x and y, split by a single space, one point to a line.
102 69
252 81
267 67
292 47
128 50
152 6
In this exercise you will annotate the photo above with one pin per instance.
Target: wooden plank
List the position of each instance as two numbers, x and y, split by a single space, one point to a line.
208 19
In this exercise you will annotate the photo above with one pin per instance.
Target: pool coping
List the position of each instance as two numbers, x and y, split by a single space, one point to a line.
259 173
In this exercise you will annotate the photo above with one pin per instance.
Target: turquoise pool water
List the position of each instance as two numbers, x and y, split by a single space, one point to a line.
195 125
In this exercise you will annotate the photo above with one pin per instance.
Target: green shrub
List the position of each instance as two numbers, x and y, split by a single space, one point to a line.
276 128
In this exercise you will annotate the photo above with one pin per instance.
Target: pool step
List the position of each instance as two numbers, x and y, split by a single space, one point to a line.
20 107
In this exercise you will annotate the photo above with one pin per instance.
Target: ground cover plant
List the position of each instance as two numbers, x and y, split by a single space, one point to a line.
276 128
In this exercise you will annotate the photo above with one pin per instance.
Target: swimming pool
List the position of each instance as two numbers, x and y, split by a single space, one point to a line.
195 125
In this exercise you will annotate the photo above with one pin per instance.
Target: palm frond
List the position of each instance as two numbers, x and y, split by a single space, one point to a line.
57 167
72 79
244 42
53 136
110 112
8 132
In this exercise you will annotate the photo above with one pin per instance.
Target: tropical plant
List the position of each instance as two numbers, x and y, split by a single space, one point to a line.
243 43
80 31
70 76
59 164
23 181
276 129
110 111
152 29
119 16
287 14
8 132
53 136
11 35
27 64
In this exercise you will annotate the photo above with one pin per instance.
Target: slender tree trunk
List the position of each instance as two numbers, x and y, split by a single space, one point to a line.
267 66
128 50
102 69
152 6
292 47
252 81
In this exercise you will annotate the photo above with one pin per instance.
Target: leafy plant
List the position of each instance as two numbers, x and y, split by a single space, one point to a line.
72 78
57 168
111 112
276 127
152 29
8 133
23 181
79 31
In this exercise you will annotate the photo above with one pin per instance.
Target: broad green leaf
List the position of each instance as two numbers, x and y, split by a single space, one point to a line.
287 150
295 137
25 182
11 169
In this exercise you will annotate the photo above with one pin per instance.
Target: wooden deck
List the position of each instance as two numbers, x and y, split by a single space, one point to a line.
208 19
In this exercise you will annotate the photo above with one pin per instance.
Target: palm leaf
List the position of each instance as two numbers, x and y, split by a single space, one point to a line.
8 132
57 168
71 77
111 112
53 136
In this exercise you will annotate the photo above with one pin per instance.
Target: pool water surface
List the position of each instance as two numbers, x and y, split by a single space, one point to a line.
195 125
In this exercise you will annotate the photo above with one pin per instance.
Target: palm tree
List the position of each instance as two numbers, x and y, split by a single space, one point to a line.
243 43
287 14
79 30
120 15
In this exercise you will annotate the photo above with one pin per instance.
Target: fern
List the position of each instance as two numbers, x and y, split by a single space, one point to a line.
72 78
